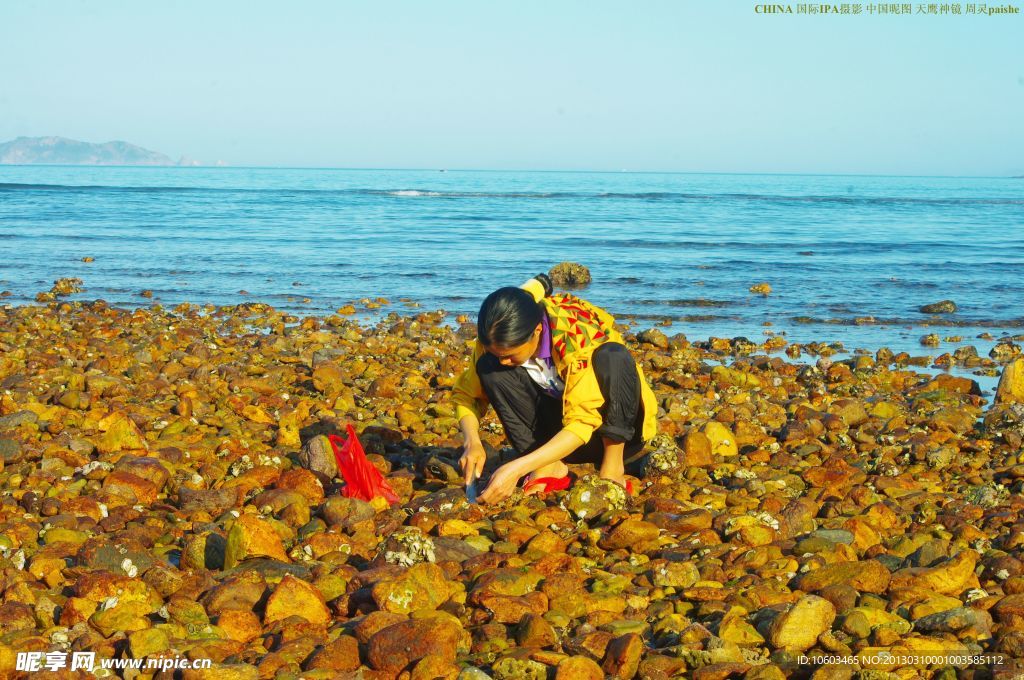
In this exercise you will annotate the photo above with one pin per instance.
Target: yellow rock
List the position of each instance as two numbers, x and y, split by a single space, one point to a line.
142 643
862 620
458 528
295 597
731 376
1011 384
422 586
934 605
60 534
257 415
239 625
946 579
885 410
289 424
252 537
121 434
8 661
118 619
723 443
734 628
798 627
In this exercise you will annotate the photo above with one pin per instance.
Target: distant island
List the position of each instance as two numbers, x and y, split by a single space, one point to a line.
64 151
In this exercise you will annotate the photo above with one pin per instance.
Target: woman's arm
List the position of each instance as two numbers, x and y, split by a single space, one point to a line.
504 480
473 454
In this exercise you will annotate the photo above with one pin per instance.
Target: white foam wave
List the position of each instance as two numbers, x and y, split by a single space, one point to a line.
413 192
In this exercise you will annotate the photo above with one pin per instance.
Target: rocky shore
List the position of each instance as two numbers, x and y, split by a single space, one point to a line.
160 497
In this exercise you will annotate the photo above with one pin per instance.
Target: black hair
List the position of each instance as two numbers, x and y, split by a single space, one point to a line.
507 318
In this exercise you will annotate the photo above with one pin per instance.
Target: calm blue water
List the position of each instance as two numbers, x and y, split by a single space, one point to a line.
681 246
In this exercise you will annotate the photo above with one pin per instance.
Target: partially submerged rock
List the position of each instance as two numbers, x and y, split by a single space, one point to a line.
569 274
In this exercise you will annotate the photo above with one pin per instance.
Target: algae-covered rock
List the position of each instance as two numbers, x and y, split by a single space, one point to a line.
569 274
511 668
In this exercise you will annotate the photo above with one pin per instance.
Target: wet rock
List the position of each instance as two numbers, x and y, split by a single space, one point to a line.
941 307
569 274
1005 351
66 286
654 337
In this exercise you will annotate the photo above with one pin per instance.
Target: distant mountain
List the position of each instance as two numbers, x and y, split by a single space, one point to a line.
64 151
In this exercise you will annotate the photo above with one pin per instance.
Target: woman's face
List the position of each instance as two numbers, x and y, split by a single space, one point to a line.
517 356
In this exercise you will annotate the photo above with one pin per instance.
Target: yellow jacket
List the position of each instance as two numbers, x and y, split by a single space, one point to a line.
577 329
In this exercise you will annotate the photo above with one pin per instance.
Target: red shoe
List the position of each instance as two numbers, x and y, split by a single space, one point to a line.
549 483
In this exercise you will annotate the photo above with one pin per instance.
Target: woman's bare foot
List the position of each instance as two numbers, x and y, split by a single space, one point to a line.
556 469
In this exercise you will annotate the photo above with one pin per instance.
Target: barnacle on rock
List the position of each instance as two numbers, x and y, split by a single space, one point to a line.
408 546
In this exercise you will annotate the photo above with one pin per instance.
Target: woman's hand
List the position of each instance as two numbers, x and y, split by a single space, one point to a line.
472 460
503 483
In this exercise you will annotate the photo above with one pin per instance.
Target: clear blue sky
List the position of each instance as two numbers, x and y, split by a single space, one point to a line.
570 84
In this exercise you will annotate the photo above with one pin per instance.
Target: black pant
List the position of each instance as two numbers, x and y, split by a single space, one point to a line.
531 417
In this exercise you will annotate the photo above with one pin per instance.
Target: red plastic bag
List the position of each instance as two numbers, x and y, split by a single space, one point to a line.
362 480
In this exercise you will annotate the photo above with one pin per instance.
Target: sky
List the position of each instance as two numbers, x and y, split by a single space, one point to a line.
659 85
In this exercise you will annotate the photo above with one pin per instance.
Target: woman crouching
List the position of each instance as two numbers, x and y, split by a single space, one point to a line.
563 384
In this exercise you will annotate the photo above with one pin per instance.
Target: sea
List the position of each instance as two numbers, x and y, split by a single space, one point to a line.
849 259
